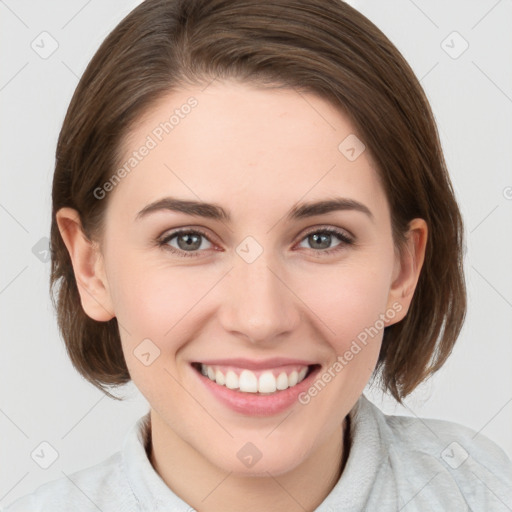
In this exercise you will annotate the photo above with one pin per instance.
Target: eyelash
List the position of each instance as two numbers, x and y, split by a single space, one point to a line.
344 239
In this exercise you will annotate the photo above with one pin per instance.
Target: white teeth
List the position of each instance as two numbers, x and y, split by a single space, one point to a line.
231 380
248 382
282 381
219 378
267 383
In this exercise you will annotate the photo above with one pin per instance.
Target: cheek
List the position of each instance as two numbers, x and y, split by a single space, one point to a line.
156 302
150 297
350 303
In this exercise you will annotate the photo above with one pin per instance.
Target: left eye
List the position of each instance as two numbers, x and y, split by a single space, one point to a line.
189 242
324 236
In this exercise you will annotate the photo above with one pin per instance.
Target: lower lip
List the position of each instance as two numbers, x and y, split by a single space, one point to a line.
253 404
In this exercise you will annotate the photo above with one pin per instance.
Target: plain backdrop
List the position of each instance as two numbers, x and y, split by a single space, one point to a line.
462 53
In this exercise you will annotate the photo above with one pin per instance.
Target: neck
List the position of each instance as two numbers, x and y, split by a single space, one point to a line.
208 488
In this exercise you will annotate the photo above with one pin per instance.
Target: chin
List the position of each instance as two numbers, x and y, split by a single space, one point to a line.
249 460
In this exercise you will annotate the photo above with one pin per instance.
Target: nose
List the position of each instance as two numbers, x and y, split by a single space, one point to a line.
257 302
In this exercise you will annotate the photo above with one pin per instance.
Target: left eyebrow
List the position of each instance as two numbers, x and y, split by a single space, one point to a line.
322 207
216 212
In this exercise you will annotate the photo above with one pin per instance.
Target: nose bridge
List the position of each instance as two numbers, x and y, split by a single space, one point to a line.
257 303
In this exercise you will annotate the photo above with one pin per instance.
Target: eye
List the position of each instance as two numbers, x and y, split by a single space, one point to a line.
322 238
189 242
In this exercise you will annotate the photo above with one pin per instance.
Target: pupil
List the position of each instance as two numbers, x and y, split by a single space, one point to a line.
189 240
316 238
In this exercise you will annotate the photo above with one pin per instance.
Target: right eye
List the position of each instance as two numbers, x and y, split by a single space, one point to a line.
188 242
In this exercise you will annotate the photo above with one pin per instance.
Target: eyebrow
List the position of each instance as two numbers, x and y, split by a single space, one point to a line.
216 212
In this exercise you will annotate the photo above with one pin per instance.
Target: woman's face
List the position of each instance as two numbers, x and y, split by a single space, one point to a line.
262 294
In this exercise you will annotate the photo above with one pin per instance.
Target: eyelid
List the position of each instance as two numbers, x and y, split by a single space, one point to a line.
328 227
164 239
345 237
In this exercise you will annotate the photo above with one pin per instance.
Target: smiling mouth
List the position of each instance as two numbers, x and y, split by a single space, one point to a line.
262 382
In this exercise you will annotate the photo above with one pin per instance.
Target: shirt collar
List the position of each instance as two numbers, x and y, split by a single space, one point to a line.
367 451
151 492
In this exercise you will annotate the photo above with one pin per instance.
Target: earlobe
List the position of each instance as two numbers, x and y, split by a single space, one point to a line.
408 266
87 266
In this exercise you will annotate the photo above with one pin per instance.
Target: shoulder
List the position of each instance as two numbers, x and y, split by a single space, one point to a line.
99 487
437 459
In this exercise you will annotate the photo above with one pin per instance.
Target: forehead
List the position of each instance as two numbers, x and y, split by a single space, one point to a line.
243 145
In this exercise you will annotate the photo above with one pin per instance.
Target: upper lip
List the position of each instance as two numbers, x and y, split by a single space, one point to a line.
251 364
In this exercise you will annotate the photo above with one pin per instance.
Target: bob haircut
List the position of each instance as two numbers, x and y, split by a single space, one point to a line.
324 47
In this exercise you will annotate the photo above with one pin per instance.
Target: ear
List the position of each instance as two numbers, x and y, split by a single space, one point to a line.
88 266
408 264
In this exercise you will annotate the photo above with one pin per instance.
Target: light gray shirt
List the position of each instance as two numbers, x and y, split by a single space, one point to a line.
395 463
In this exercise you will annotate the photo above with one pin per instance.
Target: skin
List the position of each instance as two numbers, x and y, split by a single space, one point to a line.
257 153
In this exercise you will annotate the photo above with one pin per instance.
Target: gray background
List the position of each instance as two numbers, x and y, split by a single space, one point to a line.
42 398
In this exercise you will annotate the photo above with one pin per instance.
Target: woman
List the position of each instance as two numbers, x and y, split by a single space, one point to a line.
252 218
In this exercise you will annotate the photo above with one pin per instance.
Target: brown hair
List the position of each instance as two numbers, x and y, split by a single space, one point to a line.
324 47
